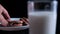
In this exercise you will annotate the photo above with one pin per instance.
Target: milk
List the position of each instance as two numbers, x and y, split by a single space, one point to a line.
37 26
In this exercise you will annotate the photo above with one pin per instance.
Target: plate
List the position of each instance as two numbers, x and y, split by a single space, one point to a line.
14 28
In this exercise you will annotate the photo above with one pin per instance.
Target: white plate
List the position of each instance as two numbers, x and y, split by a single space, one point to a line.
16 19
14 28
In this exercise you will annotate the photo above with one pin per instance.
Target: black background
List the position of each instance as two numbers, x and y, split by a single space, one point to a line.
58 19
16 8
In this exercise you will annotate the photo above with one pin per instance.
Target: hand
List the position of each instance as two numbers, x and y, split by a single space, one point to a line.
3 15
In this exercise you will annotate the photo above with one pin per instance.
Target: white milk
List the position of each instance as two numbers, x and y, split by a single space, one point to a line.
48 27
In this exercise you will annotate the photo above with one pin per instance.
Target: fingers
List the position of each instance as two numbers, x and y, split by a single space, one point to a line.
5 12
3 21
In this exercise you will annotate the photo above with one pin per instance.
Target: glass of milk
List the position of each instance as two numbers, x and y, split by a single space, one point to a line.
37 23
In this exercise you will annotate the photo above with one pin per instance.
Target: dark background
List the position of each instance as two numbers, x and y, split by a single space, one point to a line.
16 8
58 19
